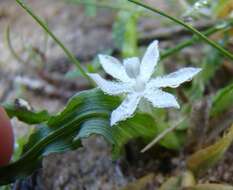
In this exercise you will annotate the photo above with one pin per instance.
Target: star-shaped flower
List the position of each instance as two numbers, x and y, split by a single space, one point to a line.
134 79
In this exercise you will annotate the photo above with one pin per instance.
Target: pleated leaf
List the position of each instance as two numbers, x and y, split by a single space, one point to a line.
87 113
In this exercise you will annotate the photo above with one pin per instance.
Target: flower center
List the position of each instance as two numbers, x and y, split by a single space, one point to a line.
132 67
139 85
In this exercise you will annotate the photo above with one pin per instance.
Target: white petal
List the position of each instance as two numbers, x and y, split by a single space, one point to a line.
113 67
126 109
149 61
173 80
110 87
132 67
161 99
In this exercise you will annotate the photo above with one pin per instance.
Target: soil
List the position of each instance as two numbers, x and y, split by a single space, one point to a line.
90 167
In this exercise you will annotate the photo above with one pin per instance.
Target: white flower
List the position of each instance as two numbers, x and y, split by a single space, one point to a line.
134 79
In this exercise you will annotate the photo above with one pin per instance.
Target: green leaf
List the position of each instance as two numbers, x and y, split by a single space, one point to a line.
210 64
139 126
173 140
173 183
223 8
222 101
86 113
130 47
179 182
73 74
125 33
205 158
188 179
7 187
91 9
24 115
211 187
141 183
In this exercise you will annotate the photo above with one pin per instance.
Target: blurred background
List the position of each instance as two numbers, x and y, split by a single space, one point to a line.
34 68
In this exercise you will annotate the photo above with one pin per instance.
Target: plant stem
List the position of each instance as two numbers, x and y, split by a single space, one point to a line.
226 26
161 136
70 55
10 46
190 28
